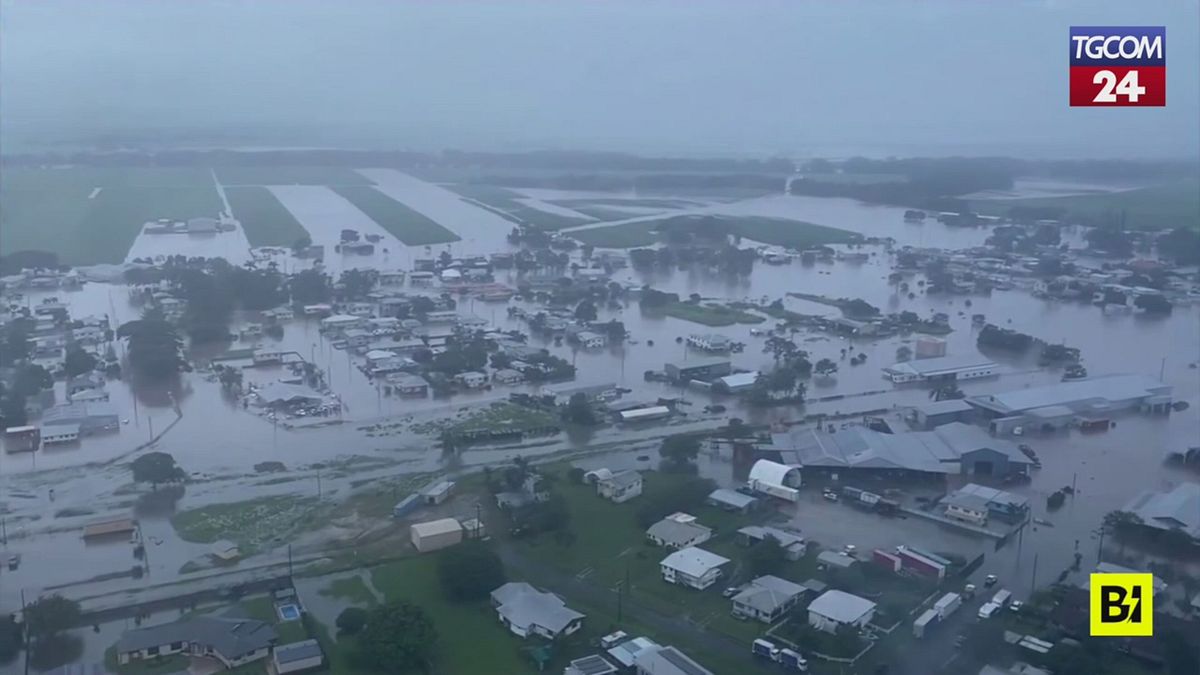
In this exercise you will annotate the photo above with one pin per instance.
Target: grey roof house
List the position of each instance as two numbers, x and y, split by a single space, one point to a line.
233 642
1178 508
678 531
526 611
767 598
667 661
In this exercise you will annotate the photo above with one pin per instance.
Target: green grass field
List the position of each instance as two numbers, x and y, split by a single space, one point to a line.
470 637
56 210
290 175
1157 207
506 203
710 314
777 231
407 225
265 219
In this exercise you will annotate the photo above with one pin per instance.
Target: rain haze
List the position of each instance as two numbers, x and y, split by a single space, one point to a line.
758 78
727 337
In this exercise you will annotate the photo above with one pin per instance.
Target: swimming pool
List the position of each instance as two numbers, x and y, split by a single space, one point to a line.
288 612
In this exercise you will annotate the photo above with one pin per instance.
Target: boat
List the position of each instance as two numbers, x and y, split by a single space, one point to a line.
1074 371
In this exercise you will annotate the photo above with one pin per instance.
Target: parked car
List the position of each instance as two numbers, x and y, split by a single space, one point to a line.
829 494
988 610
1016 605
990 580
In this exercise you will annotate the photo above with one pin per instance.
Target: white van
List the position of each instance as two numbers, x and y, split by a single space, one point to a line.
1001 597
988 610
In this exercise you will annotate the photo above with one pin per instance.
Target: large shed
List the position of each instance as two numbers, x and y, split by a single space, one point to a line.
436 534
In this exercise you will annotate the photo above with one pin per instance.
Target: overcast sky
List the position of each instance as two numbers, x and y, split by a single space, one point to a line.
744 77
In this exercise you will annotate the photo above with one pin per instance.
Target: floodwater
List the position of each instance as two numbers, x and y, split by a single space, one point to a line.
218 441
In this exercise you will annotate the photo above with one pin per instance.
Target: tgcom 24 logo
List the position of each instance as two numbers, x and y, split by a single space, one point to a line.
1121 605
1118 66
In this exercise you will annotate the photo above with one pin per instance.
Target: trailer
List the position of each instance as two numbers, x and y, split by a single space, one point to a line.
920 564
888 560
947 605
764 649
793 660
922 623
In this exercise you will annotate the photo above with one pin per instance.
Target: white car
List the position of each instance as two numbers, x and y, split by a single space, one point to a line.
829 494
988 610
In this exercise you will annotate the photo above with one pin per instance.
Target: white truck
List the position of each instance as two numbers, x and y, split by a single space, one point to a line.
988 610
1002 597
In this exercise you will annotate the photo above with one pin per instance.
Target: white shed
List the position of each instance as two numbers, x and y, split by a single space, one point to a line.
435 534
775 479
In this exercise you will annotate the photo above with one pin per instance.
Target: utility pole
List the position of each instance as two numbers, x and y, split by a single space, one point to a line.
150 421
1100 548
478 519
4 530
318 485
25 623
1033 581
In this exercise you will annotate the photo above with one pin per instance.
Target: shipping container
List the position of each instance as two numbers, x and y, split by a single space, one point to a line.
922 623
947 604
889 560
920 564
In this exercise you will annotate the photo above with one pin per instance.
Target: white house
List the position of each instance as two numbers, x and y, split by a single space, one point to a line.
767 598
507 376
692 567
526 611
711 342
233 642
621 486
472 379
591 340
837 608
678 530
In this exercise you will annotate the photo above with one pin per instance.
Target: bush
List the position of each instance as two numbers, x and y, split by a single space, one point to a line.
575 475
351 620
469 571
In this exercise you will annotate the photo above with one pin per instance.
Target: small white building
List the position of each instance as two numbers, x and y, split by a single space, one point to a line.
438 493
338 321
508 376
836 608
941 369
526 611
296 657
692 567
767 598
621 486
471 379
590 340
435 534
775 479
62 433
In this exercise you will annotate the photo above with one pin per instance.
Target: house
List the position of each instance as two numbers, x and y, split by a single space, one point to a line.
621 486
262 357
90 395
471 379
405 384
338 321
356 337
88 417
1175 509
692 567
678 530
767 598
731 500
590 340
736 383
703 369
233 642
667 661
435 534
836 559
62 433
296 657
590 665
974 503
526 611
626 652
442 316
709 342
507 376
107 528
941 369
84 382
792 542
835 608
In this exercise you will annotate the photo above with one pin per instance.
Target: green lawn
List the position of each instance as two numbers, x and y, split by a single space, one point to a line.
650 203
507 203
58 210
265 219
470 638
290 175
710 314
351 589
1156 207
407 225
251 524
776 231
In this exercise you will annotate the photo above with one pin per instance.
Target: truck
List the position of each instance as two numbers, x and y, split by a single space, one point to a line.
947 605
922 623
792 660
764 649
1002 597
888 560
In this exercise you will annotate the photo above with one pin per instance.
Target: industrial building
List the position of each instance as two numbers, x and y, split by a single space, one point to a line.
954 448
704 369
941 369
1095 395
1177 508
435 534
938 413
87 417
775 479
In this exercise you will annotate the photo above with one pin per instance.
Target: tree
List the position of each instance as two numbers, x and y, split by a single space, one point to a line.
585 311
825 367
356 284
78 361
398 637
680 449
310 287
575 475
766 557
1153 303
469 571
50 615
946 392
155 350
11 638
903 353
780 348
351 621
155 468
684 496
579 410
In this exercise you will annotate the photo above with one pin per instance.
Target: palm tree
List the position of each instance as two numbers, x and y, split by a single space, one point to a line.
1121 523
946 392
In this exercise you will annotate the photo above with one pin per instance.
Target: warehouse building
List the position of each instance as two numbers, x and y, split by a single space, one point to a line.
941 369
436 534
938 413
704 369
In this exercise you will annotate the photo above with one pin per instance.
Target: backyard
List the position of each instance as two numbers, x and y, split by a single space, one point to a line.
409 226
